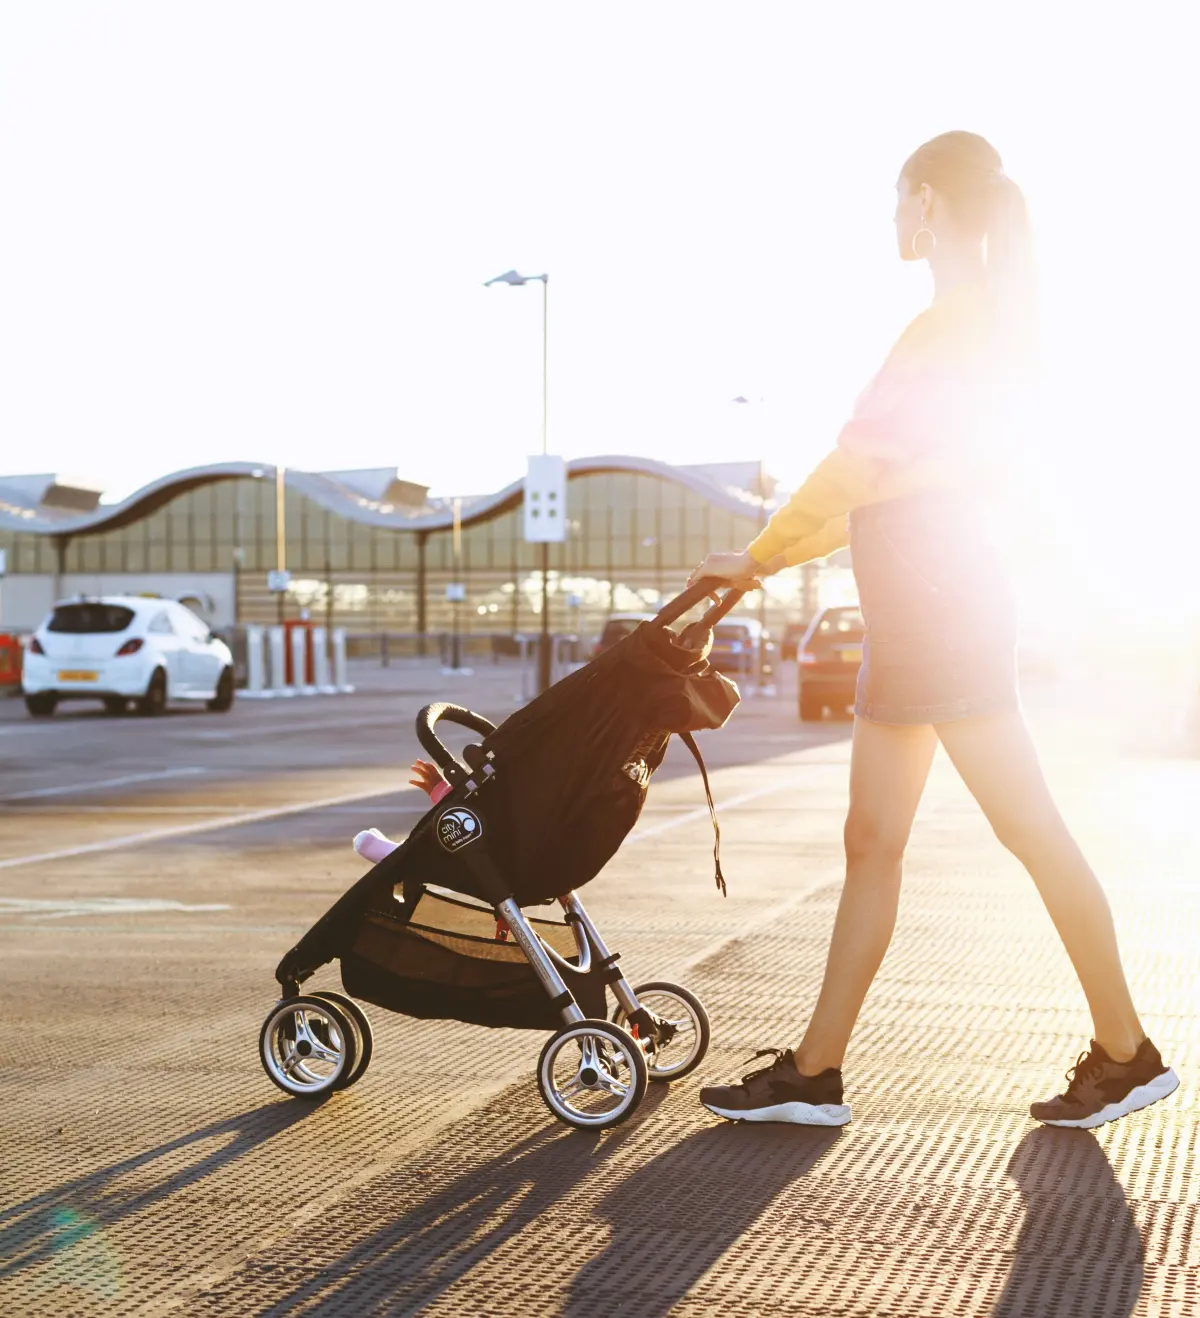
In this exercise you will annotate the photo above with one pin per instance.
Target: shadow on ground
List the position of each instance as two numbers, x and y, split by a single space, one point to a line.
667 1224
66 1225
1079 1252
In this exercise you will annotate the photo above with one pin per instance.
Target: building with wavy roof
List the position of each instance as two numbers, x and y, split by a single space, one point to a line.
372 552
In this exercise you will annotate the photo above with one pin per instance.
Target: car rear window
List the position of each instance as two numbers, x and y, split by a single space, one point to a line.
89 619
730 631
614 631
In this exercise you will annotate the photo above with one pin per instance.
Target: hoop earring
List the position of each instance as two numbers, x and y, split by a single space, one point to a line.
923 229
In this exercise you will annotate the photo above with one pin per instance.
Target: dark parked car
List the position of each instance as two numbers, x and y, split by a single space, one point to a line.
617 626
741 645
829 656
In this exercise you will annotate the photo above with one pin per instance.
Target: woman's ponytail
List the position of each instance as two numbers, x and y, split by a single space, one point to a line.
1011 266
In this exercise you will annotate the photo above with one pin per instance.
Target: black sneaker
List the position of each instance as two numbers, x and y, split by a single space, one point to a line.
780 1093
1101 1090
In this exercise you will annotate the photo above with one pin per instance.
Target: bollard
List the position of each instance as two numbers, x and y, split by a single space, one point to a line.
299 644
278 668
529 675
340 676
256 668
320 640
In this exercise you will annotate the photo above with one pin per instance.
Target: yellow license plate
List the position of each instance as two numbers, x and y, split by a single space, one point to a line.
72 675
852 655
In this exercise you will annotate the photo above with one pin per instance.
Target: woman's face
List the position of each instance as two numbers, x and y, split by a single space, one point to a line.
910 206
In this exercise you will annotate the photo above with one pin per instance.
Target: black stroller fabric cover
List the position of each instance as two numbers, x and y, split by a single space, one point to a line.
573 766
567 777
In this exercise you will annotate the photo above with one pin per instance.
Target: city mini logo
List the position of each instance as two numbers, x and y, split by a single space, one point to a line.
457 827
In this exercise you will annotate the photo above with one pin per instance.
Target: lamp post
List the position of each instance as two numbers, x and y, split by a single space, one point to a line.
516 280
239 559
280 541
761 491
456 594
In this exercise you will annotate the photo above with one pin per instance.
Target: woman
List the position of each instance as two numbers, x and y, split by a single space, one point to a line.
905 487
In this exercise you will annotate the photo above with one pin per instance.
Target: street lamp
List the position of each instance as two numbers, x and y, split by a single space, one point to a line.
516 280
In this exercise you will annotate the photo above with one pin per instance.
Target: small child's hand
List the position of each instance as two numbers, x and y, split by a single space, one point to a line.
425 776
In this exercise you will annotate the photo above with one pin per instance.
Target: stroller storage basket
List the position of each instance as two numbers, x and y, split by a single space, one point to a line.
451 960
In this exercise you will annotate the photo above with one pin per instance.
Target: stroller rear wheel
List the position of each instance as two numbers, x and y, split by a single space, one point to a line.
306 1045
592 1074
364 1037
686 1033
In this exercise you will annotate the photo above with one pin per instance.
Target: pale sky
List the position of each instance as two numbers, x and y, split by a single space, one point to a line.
260 230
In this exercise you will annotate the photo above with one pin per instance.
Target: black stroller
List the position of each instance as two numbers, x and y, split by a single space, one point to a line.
437 930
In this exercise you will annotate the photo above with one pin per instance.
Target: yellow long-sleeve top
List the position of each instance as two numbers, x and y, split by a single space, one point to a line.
925 421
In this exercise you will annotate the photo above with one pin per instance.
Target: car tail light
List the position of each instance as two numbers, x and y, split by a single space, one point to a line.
807 657
131 647
35 646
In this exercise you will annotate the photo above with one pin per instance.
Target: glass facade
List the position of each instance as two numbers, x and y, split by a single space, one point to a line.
633 538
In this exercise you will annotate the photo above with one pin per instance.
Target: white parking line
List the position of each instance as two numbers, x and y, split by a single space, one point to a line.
98 785
324 803
281 729
57 910
183 830
192 809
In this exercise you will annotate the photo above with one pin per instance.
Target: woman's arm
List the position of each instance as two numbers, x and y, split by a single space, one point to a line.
924 422
744 573
834 535
844 480
927 440
876 459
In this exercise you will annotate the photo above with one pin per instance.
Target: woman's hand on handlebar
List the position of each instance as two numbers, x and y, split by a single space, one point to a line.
739 569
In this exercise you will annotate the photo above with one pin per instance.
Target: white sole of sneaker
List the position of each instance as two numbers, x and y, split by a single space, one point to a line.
793 1114
1134 1101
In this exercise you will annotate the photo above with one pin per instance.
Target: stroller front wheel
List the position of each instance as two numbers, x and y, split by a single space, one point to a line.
364 1038
592 1075
306 1045
685 1025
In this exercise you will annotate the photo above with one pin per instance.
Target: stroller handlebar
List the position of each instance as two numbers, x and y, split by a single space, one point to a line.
703 588
429 717
427 721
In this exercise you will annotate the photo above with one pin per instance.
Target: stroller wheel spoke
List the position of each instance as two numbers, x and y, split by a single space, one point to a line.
292 1062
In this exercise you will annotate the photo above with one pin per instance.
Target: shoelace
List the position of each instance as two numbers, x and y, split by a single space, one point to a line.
1085 1067
777 1053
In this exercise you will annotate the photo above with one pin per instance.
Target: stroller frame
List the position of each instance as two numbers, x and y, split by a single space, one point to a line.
593 954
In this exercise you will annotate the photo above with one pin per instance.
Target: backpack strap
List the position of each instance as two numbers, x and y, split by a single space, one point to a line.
690 742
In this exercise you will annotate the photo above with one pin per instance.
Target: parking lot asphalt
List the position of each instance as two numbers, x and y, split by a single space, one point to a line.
153 871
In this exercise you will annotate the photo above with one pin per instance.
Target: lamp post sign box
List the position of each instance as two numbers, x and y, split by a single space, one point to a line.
546 500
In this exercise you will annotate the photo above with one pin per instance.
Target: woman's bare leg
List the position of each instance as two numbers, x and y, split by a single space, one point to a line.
888 770
998 763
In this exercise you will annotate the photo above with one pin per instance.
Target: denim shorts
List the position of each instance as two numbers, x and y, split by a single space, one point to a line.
941 619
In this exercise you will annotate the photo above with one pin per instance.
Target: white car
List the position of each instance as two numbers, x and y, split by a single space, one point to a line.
118 648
